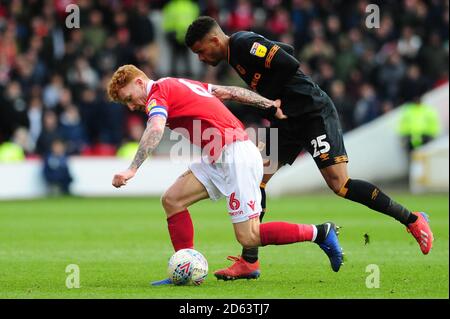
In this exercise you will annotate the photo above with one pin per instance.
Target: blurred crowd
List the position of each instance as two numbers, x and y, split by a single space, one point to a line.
53 78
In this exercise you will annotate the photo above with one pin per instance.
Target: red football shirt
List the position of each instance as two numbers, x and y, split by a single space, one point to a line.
194 112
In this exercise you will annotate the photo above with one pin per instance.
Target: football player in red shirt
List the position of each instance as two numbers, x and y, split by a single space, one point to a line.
231 165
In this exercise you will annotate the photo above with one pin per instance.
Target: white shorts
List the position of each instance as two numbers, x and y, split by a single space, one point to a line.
236 176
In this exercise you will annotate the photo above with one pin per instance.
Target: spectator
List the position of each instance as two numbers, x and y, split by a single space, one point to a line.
13 109
368 65
91 111
56 170
35 111
390 75
82 74
303 11
343 105
142 29
41 60
259 25
107 58
65 100
135 130
10 152
316 50
357 43
8 46
125 48
52 91
326 76
433 57
367 107
333 30
279 23
354 83
346 59
95 33
143 33
49 132
21 138
177 15
241 17
113 115
74 48
211 8
419 124
385 33
414 84
409 44
72 130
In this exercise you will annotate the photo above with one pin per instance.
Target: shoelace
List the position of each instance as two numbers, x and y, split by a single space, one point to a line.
234 258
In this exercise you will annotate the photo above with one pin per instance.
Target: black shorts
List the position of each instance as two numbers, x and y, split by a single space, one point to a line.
319 132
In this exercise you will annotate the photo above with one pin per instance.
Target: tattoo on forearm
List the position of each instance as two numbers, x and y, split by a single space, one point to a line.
241 95
149 141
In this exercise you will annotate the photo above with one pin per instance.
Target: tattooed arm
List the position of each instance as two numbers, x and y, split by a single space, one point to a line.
149 141
247 97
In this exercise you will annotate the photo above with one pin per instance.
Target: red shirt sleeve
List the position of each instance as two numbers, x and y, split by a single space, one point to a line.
158 101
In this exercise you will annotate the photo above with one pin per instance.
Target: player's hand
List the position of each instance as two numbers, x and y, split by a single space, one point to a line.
279 113
121 179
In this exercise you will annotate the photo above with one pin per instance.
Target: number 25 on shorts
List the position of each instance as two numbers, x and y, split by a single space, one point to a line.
320 146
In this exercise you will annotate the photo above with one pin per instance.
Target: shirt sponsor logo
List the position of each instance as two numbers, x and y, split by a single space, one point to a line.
255 80
258 49
236 213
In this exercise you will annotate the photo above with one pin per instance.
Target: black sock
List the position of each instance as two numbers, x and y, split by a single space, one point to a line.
411 219
250 255
371 196
321 232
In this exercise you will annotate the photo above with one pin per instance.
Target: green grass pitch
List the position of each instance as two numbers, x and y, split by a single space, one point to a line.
121 244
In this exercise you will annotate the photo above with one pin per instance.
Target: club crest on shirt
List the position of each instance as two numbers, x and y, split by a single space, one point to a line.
258 49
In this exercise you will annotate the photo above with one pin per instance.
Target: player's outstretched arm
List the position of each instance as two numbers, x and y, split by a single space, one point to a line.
245 96
149 141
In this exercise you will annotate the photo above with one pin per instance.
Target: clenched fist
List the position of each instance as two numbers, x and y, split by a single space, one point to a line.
121 179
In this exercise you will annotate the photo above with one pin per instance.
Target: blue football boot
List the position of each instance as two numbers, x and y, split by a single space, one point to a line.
163 282
331 247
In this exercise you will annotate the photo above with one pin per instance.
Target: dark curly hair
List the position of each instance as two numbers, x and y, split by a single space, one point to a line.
198 29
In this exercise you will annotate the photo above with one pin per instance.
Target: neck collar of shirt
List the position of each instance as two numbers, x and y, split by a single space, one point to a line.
149 86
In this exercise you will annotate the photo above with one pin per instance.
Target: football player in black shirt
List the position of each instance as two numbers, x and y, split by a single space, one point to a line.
312 123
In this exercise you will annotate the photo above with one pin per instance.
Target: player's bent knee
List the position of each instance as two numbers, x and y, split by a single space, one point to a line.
335 183
170 203
248 240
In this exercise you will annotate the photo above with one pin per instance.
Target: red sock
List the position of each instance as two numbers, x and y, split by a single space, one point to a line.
181 230
282 233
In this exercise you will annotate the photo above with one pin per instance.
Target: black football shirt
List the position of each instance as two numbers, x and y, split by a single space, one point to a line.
269 68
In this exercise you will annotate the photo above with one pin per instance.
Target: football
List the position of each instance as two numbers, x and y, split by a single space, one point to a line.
187 267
